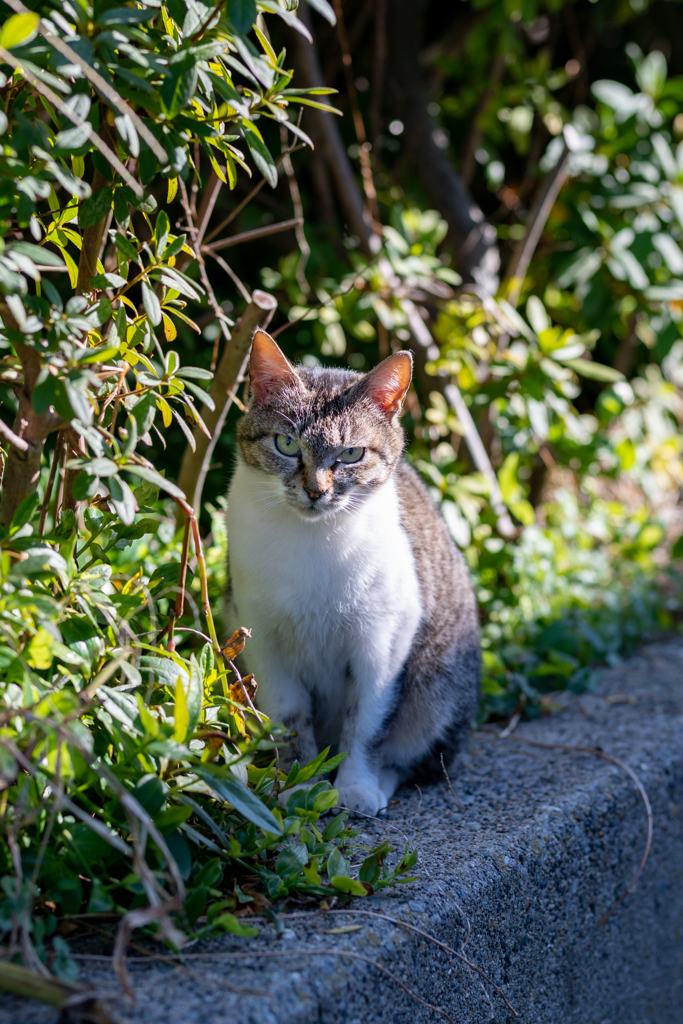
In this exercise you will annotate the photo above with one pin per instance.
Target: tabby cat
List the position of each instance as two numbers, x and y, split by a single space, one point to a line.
364 623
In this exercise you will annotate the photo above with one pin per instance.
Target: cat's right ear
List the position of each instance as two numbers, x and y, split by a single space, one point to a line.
269 369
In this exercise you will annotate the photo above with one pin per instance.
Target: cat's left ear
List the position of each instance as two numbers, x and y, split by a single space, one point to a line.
387 385
269 369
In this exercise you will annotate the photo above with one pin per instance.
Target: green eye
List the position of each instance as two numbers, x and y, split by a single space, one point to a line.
351 455
286 445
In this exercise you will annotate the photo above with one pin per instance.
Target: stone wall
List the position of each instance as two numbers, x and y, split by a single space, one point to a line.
518 862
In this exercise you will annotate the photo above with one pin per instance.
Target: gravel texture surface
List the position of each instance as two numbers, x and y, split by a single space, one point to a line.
518 863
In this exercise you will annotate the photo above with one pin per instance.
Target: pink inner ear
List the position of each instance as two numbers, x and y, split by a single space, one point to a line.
269 369
388 383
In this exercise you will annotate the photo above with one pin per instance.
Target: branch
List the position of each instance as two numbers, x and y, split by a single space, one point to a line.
250 236
540 211
325 133
220 315
195 464
248 198
371 212
295 195
473 239
13 438
22 470
242 289
93 235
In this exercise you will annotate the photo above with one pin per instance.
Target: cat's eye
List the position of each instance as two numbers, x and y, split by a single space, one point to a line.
286 445
351 455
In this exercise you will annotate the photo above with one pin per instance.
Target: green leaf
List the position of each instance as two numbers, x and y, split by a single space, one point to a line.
174 247
291 860
182 718
322 7
161 229
262 158
121 208
326 800
37 253
151 303
194 372
96 208
126 248
677 549
337 864
229 923
124 16
109 280
242 14
8 768
595 371
152 477
19 29
123 499
179 86
195 695
351 886
241 798
102 467
25 511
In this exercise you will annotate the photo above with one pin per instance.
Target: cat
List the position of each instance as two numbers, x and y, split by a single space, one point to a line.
364 623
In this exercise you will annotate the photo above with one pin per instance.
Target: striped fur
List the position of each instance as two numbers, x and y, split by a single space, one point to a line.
364 623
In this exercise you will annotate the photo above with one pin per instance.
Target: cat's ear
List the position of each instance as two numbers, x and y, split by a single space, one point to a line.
269 369
387 385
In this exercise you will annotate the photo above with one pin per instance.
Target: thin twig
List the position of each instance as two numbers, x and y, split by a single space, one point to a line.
638 784
248 198
526 247
201 567
198 248
173 959
13 438
177 611
511 726
250 236
295 194
75 118
423 336
450 785
242 289
424 934
50 483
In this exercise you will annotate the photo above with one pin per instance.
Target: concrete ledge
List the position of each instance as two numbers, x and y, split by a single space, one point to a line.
515 874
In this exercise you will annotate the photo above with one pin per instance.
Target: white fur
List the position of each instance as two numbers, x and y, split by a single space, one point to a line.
322 596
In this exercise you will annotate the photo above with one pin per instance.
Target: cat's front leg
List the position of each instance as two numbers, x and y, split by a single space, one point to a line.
364 784
286 701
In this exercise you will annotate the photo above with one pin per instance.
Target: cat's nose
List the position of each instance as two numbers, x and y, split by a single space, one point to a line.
313 494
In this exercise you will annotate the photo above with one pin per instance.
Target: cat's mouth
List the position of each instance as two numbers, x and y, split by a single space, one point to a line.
313 511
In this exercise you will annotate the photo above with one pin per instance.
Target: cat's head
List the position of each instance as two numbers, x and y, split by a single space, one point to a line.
325 438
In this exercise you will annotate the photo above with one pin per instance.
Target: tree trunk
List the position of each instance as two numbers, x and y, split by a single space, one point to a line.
472 238
323 130
22 469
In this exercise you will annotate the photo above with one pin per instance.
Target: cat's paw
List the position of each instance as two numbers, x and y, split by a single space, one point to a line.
366 799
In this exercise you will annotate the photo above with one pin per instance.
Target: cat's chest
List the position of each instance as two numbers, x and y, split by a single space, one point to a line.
316 577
